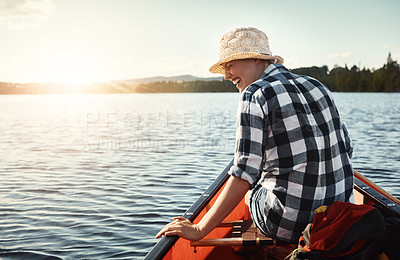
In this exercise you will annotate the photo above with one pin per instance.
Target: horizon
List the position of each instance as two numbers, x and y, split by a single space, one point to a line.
153 78
75 42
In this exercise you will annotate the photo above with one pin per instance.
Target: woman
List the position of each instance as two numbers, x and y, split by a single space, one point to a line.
292 149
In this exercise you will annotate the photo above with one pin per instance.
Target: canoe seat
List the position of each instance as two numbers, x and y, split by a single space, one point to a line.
244 233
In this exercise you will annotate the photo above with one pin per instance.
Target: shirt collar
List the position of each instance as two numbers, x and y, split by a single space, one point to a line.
272 69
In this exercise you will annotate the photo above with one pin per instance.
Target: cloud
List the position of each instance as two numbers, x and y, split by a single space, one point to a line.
13 8
346 54
340 55
25 13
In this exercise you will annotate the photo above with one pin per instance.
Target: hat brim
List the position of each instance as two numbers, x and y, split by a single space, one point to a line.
219 68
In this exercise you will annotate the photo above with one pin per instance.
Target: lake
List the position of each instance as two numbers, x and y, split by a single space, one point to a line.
96 176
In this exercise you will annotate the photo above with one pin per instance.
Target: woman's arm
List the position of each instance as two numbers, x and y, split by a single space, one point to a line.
232 194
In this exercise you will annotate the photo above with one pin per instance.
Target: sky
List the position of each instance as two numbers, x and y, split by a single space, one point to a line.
85 41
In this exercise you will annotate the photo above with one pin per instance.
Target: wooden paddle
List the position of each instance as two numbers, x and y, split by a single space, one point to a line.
376 187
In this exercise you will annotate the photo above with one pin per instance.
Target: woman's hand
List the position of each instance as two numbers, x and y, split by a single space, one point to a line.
181 227
231 195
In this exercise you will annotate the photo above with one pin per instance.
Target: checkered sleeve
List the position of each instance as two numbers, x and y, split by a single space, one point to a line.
348 142
249 140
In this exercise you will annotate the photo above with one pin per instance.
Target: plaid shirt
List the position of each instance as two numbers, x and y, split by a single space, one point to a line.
292 147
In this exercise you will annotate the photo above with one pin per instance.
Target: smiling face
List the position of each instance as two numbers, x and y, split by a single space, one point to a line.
243 72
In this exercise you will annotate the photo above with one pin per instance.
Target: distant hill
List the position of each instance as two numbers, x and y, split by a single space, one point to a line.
162 78
183 83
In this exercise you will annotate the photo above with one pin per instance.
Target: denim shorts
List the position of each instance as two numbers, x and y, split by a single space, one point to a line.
257 209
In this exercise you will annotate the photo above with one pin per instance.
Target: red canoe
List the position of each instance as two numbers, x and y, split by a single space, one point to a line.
213 247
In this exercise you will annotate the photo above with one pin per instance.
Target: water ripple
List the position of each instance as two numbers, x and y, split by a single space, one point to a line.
91 181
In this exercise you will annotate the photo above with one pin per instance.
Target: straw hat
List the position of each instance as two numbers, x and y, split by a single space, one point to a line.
243 43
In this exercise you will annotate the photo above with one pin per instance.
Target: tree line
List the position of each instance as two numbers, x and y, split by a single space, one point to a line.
186 86
385 79
338 79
